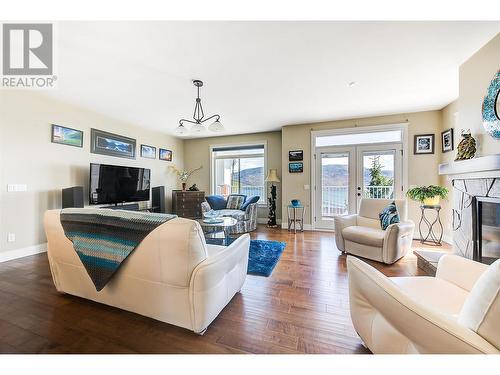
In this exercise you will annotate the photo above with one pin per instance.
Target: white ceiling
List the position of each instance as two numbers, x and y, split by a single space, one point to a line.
260 76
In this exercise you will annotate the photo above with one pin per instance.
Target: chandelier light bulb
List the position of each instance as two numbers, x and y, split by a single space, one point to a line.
216 126
181 130
198 128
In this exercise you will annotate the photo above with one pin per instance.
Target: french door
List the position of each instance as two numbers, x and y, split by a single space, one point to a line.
344 175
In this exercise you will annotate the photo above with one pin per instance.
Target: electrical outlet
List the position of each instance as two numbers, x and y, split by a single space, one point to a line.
11 237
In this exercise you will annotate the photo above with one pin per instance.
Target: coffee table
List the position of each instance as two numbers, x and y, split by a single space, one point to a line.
213 231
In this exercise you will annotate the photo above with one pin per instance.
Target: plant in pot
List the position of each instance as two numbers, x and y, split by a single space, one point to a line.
184 175
428 195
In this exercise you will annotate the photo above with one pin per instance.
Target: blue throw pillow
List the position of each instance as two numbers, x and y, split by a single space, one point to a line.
389 215
249 201
216 202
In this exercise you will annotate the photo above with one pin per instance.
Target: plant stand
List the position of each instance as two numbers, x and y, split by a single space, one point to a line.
426 225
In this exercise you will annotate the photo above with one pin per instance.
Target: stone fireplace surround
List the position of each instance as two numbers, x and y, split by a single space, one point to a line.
478 177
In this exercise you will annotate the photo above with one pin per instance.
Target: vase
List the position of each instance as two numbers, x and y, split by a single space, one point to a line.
183 186
434 201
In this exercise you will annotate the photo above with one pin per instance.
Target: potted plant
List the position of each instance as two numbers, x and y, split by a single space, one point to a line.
428 195
183 175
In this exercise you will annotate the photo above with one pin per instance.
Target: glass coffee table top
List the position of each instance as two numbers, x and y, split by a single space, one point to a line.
216 232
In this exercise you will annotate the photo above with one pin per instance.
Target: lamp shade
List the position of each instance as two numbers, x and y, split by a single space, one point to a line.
272 176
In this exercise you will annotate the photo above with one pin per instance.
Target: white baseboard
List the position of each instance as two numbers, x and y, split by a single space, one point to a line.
23 252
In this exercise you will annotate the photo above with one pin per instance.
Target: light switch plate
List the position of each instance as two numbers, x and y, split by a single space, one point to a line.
16 187
306 187
11 237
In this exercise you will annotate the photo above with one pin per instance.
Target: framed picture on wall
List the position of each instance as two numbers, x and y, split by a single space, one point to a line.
110 144
66 136
423 144
148 152
447 143
295 167
297 155
165 154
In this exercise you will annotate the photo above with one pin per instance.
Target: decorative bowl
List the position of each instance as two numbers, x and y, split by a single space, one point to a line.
295 202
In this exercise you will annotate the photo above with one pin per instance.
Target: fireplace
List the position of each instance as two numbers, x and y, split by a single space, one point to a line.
486 229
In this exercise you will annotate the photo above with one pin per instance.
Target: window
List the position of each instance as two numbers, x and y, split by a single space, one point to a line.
359 138
239 170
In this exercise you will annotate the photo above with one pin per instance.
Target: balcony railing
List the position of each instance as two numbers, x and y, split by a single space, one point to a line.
335 199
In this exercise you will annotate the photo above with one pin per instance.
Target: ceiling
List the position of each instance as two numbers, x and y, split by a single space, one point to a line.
260 76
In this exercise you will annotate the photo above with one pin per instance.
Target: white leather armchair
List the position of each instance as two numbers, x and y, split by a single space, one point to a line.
424 314
172 276
362 235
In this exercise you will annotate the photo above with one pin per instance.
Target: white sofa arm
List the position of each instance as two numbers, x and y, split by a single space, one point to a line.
379 308
340 223
460 271
216 280
397 241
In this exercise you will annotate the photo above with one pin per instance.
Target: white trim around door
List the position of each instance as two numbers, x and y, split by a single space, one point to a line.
355 149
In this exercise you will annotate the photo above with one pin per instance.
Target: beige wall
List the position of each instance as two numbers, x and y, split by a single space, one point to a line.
197 152
422 168
475 77
28 157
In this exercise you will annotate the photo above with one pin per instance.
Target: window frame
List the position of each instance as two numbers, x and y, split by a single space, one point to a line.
262 143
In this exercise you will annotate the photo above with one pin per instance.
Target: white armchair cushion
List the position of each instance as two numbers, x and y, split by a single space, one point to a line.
481 310
364 235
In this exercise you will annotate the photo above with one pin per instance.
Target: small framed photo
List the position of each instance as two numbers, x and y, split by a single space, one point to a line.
424 144
295 167
148 152
447 143
66 136
165 154
297 155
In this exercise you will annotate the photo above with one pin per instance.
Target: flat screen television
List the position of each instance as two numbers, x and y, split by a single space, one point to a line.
117 184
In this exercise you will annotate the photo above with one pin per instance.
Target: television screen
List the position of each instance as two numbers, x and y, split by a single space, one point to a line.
117 184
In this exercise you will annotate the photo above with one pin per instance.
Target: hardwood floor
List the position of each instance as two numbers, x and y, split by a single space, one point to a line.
302 308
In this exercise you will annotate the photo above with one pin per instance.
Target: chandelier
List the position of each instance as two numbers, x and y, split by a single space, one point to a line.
199 117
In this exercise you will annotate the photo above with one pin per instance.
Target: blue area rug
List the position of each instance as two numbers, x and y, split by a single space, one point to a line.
262 257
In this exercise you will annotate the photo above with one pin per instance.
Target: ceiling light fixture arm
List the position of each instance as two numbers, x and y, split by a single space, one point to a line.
217 118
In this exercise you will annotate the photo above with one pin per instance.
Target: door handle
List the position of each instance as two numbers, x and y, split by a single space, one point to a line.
359 194
359 188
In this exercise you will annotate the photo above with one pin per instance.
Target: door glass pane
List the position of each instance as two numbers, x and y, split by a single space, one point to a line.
334 184
378 174
252 177
226 176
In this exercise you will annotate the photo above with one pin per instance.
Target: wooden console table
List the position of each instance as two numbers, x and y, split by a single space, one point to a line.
187 203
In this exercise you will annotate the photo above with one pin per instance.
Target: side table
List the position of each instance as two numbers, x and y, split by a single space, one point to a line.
295 215
425 225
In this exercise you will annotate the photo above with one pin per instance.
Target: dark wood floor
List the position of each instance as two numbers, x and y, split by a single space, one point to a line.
302 308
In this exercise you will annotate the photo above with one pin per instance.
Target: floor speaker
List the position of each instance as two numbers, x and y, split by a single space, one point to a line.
72 197
158 199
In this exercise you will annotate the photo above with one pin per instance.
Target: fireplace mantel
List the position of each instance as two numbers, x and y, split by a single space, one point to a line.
481 167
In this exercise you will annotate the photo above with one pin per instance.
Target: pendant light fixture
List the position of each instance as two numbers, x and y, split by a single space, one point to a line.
199 117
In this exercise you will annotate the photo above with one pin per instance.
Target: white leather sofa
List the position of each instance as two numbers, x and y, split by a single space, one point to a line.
362 235
453 312
172 276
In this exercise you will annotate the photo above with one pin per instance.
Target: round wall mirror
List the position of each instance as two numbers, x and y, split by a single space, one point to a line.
491 108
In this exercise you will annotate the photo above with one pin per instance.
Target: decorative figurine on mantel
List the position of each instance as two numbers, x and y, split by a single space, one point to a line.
272 177
193 188
466 149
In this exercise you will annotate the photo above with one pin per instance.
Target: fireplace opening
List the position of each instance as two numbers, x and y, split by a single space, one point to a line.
486 229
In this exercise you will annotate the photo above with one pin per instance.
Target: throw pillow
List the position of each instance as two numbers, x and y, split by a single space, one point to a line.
216 202
249 201
389 215
235 201
481 308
